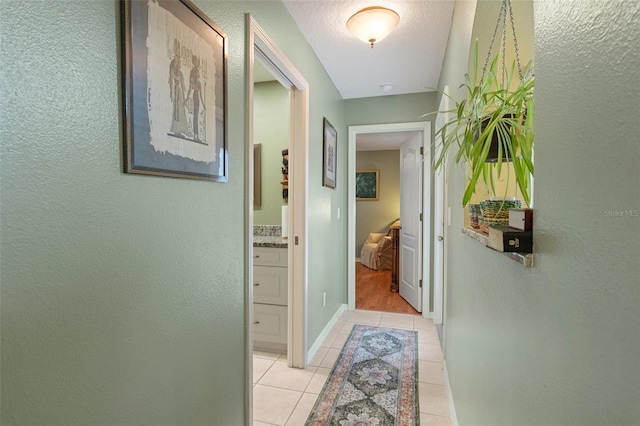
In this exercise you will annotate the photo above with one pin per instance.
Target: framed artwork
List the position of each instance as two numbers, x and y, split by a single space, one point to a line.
175 89
329 154
367 185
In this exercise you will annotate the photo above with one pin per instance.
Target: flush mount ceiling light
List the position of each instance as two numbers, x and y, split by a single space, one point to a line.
372 24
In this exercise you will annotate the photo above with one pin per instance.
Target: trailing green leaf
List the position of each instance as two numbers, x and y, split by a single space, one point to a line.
491 110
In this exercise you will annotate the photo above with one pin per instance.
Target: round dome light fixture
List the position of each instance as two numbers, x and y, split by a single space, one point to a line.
372 24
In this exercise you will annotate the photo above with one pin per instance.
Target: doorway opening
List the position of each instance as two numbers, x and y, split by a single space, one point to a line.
271 113
377 219
423 129
258 44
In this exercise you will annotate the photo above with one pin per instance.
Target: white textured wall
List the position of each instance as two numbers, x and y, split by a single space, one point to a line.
558 344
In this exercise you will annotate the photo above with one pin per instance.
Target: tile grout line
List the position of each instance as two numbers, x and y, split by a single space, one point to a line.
419 325
294 408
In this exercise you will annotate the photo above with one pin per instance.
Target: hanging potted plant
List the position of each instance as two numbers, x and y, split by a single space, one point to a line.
493 125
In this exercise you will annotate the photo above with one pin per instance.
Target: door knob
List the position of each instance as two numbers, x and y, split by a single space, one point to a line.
440 238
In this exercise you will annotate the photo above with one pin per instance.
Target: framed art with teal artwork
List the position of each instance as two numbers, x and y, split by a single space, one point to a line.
367 185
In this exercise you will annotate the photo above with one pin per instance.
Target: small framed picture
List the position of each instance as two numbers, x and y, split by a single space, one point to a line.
329 155
367 185
175 90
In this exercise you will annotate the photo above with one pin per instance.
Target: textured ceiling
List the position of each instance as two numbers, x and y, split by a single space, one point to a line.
410 58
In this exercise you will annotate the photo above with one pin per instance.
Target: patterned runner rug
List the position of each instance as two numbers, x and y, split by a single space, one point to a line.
374 382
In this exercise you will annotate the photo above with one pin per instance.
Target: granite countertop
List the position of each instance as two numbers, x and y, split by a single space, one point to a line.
269 236
270 241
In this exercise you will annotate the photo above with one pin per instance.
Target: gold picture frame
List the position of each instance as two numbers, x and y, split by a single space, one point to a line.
367 185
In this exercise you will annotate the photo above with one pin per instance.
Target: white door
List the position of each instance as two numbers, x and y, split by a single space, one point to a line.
438 222
411 231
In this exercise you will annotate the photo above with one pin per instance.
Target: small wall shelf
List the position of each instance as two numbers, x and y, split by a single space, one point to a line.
525 259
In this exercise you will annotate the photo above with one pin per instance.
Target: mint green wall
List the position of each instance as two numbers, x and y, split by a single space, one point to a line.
558 344
390 109
271 130
376 216
327 236
123 296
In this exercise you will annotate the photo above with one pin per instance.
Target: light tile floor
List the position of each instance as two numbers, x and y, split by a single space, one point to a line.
285 396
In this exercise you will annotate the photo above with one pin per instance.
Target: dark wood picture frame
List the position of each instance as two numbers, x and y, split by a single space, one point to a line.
329 154
175 91
367 185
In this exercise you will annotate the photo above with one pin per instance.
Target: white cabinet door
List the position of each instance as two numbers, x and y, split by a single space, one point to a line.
267 256
270 323
270 285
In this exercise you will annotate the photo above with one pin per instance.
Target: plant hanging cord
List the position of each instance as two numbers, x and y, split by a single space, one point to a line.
502 19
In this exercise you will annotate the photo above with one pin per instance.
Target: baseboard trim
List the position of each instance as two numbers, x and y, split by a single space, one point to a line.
323 335
452 408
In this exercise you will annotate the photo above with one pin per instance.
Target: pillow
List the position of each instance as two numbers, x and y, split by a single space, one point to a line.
375 237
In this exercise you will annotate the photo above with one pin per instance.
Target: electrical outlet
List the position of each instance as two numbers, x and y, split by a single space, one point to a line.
324 299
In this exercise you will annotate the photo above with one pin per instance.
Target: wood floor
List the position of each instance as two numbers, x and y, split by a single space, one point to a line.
373 292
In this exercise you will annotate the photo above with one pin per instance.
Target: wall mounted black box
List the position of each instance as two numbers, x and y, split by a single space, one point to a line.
507 239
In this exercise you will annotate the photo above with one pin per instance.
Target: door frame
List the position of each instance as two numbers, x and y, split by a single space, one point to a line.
353 131
280 65
439 228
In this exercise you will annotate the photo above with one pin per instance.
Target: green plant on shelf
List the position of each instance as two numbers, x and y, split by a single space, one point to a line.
492 126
